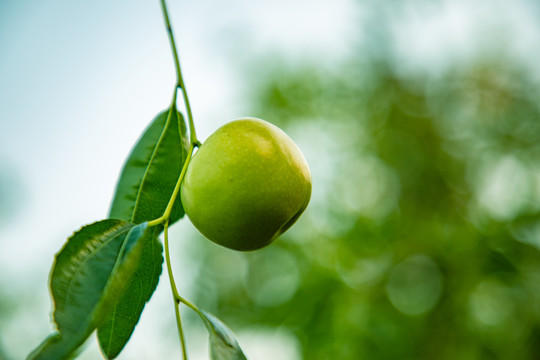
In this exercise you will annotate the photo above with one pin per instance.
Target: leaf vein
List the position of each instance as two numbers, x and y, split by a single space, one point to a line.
69 286
140 186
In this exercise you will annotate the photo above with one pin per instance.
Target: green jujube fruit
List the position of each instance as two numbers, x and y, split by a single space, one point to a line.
246 185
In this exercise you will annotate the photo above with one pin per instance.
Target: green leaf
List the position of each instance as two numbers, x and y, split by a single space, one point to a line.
55 347
115 332
124 272
88 274
143 192
223 343
151 172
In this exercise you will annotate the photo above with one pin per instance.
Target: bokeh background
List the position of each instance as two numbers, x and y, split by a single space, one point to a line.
421 124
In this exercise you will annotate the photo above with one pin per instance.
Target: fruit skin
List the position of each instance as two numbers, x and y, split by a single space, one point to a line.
246 185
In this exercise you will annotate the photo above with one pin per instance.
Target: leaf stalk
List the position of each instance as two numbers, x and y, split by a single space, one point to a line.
176 297
166 215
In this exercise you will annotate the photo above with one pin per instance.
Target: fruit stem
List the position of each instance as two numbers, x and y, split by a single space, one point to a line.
179 79
176 296
168 209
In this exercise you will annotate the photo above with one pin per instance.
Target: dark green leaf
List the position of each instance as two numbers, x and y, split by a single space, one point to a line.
90 272
114 333
124 272
151 172
56 347
223 343
76 286
143 192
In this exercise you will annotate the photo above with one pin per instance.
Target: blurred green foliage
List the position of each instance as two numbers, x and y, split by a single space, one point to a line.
422 240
